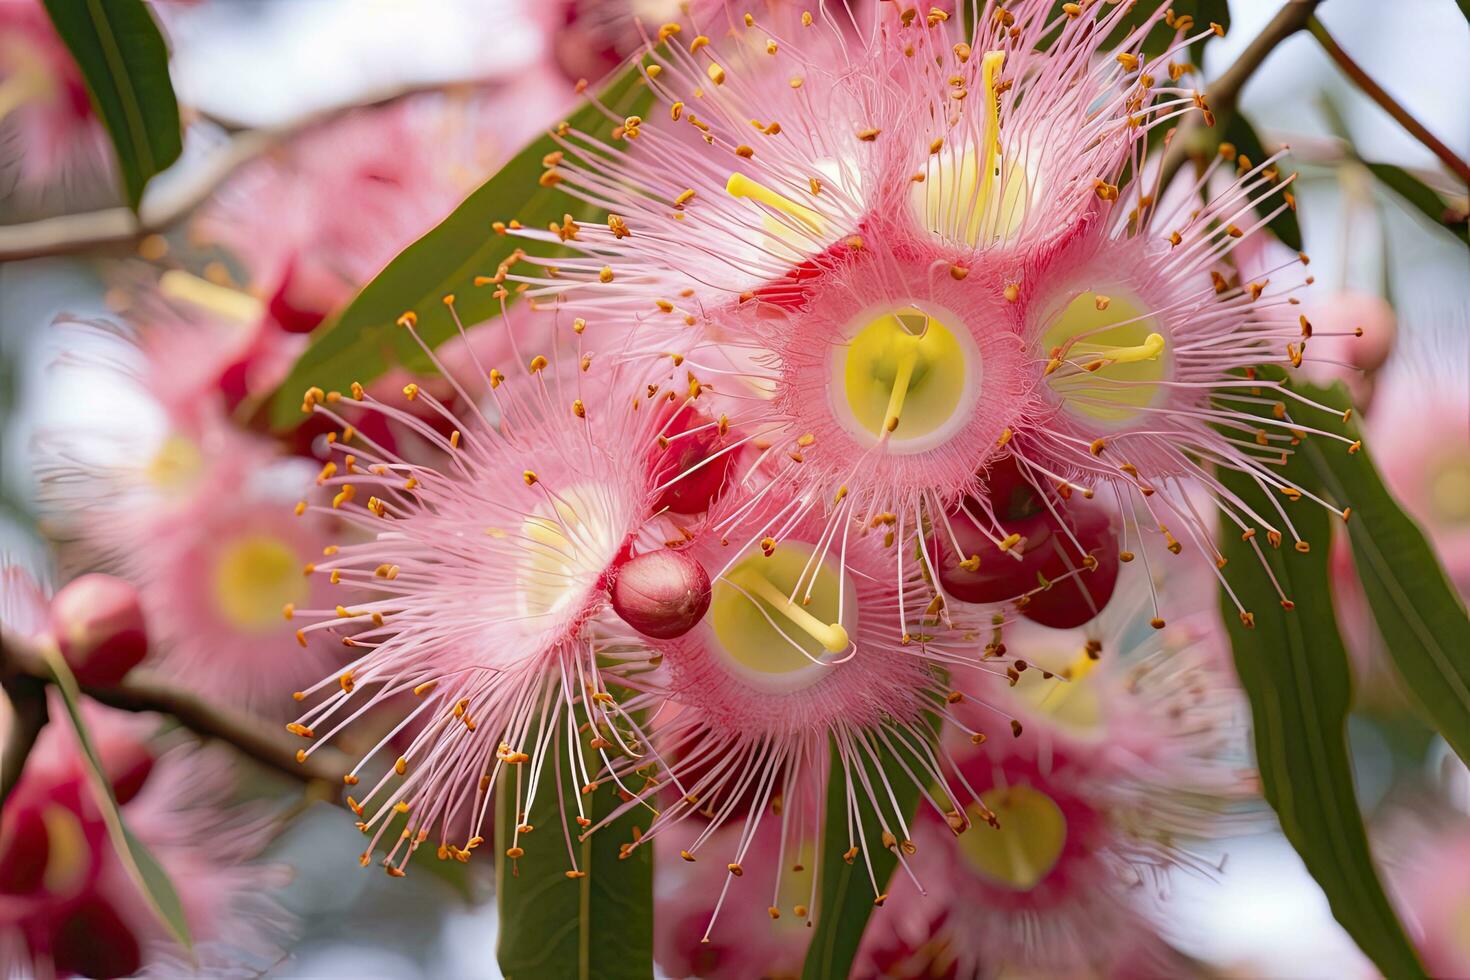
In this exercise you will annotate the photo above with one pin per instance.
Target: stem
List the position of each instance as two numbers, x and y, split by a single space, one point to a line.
174 201
1374 91
250 736
1221 95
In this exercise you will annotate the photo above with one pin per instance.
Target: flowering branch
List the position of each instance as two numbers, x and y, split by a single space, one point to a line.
1374 91
22 663
1222 94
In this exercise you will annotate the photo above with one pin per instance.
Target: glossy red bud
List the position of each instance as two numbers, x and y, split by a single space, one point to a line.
94 941
1011 494
662 594
98 623
1071 602
999 575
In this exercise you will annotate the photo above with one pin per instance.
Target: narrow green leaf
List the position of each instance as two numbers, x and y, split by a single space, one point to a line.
150 877
1294 671
845 897
124 63
599 926
1413 602
1238 130
363 342
1421 198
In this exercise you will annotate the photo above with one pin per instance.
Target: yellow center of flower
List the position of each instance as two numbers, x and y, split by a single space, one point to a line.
1108 357
778 620
1449 489
1070 700
254 576
566 546
176 465
1023 851
29 78
904 379
67 855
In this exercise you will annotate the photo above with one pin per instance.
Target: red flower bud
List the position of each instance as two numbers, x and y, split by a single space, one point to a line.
92 940
662 594
1074 599
98 623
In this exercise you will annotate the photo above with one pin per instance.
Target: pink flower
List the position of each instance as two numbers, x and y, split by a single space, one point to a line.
315 223
46 115
481 589
195 514
1419 434
1431 878
801 650
1148 353
1154 707
1059 884
764 931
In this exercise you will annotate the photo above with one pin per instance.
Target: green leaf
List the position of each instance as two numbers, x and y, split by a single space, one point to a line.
1294 671
1413 601
150 877
845 896
364 341
124 63
1239 131
1421 198
597 926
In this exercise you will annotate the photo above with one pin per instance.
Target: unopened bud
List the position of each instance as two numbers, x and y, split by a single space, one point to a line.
98 623
661 594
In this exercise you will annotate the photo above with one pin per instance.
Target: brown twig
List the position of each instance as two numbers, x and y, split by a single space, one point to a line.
1374 91
249 735
169 203
1222 94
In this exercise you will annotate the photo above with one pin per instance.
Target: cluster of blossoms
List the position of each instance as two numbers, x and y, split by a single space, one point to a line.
849 452
68 903
192 505
893 343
